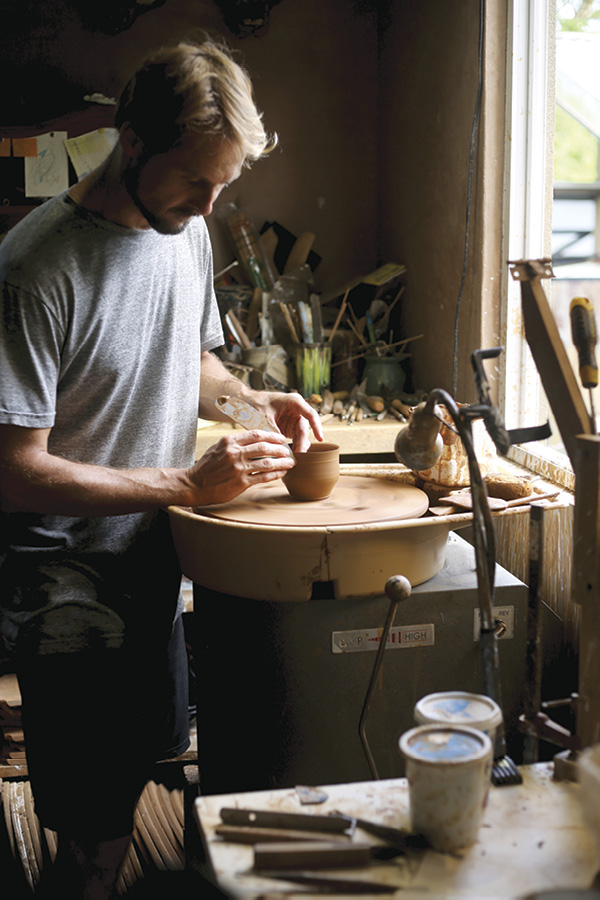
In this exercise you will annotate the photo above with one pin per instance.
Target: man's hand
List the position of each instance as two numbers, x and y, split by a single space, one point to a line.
293 416
237 462
289 412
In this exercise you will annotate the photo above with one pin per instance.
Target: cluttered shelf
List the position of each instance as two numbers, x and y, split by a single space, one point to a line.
282 332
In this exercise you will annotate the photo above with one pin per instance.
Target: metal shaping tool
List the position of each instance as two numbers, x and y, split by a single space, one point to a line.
395 837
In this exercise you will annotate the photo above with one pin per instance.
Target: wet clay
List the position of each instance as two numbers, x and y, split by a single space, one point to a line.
354 500
315 474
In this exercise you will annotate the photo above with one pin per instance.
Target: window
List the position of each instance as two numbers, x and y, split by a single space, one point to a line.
553 194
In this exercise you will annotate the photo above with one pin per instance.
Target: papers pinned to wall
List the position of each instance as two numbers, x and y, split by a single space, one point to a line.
47 173
88 151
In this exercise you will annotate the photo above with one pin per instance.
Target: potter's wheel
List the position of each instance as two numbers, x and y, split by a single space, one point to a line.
259 545
354 500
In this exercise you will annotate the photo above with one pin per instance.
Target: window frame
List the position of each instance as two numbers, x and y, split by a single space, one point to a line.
528 220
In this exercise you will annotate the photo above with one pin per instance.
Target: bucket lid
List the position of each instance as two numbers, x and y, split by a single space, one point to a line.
445 744
459 708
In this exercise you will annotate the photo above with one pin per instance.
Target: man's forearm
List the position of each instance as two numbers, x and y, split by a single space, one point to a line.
61 487
217 381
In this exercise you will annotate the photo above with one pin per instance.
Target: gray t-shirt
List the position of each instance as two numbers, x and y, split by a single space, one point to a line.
100 339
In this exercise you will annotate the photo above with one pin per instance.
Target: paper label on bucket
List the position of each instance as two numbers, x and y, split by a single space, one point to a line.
399 638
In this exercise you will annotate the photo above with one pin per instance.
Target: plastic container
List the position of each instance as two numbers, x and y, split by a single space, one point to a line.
448 768
459 708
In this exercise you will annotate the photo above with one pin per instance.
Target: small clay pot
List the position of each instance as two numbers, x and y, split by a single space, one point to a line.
315 474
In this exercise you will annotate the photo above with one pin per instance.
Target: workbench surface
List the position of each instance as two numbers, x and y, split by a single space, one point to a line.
533 838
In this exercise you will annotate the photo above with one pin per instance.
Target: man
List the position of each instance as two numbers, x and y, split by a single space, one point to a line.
108 320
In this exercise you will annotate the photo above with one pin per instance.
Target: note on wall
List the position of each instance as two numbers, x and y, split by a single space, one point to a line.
88 151
47 174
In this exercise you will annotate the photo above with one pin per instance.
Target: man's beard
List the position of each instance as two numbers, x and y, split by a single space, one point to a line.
158 223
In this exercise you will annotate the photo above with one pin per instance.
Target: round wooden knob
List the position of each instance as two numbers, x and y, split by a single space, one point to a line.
398 588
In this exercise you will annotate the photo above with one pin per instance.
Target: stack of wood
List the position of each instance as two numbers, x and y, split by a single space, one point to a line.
12 741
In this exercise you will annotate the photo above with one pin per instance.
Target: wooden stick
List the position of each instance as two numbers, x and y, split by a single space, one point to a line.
289 321
395 300
362 352
339 316
357 333
253 311
238 332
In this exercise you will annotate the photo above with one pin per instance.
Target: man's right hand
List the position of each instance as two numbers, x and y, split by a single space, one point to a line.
235 463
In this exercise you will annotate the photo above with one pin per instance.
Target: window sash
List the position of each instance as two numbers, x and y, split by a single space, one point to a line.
528 219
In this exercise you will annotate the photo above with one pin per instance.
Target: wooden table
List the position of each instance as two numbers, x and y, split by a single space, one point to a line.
366 438
532 838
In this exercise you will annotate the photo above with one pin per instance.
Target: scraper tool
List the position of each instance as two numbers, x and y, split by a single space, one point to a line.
245 415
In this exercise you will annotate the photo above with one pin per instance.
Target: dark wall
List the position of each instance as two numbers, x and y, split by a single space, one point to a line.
373 104
315 74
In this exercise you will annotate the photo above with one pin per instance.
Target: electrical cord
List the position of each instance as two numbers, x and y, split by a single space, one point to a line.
474 132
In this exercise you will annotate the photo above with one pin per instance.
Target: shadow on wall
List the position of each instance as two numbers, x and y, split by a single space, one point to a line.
54 53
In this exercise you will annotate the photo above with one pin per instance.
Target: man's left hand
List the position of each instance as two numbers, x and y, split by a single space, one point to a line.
293 416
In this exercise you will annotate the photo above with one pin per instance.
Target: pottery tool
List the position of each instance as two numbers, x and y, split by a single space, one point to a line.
464 500
247 834
245 415
265 818
289 321
583 332
318 855
254 308
334 824
331 884
305 313
237 331
339 316
317 318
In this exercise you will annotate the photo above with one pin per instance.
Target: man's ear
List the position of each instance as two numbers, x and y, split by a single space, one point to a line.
131 143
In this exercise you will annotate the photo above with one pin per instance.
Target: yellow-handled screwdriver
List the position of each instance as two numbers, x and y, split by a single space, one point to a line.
583 332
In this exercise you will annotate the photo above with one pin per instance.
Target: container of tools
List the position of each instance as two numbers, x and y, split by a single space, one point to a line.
313 368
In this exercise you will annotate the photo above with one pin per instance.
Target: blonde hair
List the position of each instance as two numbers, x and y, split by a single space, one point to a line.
195 87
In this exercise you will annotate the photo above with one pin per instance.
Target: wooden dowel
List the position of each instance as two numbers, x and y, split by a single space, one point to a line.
362 352
289 321
339 316
357 333
238 332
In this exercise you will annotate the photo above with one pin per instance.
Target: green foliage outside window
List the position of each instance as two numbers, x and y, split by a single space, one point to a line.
575 148
575 151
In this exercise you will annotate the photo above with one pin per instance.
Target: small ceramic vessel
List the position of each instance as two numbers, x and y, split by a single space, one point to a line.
315 474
